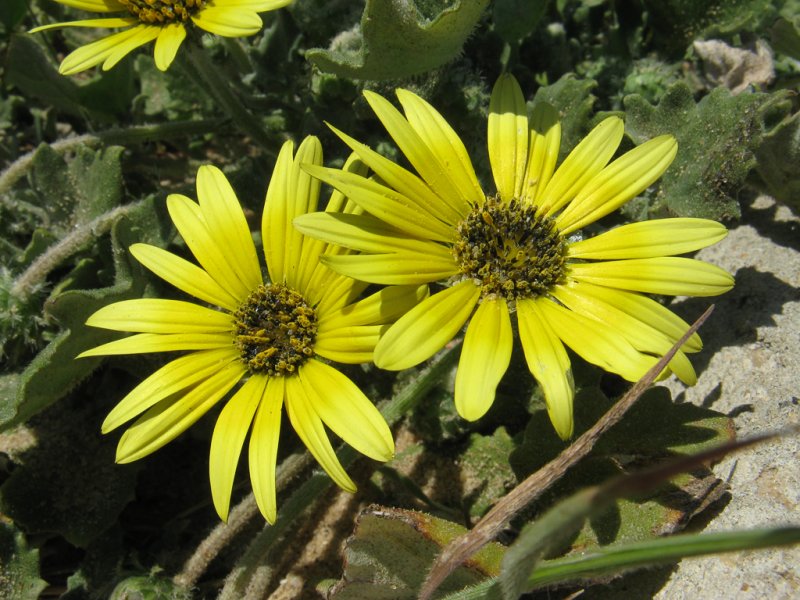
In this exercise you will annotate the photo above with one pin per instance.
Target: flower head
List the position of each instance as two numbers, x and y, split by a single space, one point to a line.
267 335
164 21
518 250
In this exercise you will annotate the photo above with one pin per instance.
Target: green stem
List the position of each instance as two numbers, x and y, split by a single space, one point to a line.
35 275
217 85
252 574
129 135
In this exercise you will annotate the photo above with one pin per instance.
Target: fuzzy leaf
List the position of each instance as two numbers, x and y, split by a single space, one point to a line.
717 138
397 41
19 566
485 472
779 162
515 19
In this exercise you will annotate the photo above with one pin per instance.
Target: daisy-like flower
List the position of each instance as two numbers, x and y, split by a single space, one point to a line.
164 21
518 250
268 336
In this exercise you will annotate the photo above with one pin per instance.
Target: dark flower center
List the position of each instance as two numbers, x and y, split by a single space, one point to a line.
510 251
275 330
156 12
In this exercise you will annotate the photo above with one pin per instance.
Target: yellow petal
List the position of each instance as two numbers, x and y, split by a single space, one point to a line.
308 426
100 6
142 343
349 345
227 22
194 230
93 54
139 37
640 334
227 225
485 357
169 40
451 156
402 180
275 227
169 418
648 239
620 181
302 254
549 364
226 443
108 23
545 141
156 315
263 455
387 204
667 275
384 306
418 153
508 137
596 342
427 327
585 161
402 268
173 377
183 275
346 410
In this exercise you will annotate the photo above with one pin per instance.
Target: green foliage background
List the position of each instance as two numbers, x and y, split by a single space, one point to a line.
88 161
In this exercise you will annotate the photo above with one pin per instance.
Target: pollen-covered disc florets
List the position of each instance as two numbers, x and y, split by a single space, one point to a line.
155 12
275 330
509 250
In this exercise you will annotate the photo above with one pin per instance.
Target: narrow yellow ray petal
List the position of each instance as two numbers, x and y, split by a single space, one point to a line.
646 310
402 180
451 156
168 42
275 227
669 275
418 153
549 364
142 343
263 454
139 37
156 315
349 345
508 136
169 418
173 377
346 410
308 426
333 291
596 342
384 306
623 179
387 204
585 161
426 328
183 275
641 335
649 239
227 225
545 141
93 54
485 357
194 230
226 443
302 253
226 22
401 268
107 23
99 6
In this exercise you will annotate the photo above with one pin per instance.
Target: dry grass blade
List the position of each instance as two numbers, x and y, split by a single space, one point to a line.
461 548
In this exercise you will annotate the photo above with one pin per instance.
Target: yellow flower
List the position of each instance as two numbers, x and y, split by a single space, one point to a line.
518 251
164 21
268 335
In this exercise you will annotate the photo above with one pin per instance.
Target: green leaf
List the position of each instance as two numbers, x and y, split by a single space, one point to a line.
11 13
397 41
485 470
515 19
785 37
391 549
717 138
779 162
19 566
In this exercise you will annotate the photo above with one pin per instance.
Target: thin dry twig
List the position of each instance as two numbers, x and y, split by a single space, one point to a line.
464 546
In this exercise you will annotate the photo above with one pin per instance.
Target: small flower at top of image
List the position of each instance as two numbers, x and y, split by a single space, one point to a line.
268 336
519 250
164 21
